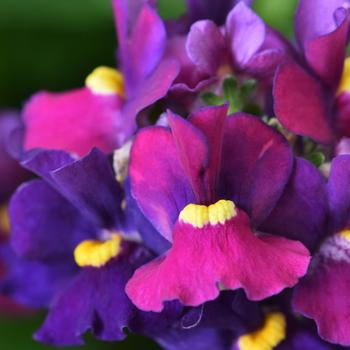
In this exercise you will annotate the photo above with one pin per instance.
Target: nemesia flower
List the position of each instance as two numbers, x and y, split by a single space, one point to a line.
245 45
323 294
207 185
312 97
84 264
103 113
81 259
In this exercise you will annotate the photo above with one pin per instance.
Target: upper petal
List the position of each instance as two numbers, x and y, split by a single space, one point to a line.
205 46
158 182
256 165
339 192
246 32
300 104
302 209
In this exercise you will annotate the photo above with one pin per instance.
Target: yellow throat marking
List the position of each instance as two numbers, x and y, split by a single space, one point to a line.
345 234
106 81
344 85
272 333
201 215
96 253
4 219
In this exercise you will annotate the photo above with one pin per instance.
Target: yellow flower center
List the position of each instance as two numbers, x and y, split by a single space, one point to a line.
97 253
201 215
271 334
106 81
344 85
345 234
4 219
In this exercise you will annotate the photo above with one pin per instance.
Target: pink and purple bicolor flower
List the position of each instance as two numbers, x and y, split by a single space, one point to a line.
246 168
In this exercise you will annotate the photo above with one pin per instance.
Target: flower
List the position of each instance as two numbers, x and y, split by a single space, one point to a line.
310 96
323 294
103 113
207 185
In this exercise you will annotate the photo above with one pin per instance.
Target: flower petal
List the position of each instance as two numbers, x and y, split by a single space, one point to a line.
323 294
300 105
44 224
68 121
256 165
205 46
95 300
227 255
301 212
158 182
339 192
246 32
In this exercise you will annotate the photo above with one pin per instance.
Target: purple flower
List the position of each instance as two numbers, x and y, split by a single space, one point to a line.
312 97
204 184
51 236
103 113
323 294
245 45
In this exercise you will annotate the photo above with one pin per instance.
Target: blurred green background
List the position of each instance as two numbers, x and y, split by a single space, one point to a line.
53 45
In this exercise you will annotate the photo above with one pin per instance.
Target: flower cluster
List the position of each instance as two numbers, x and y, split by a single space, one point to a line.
198 195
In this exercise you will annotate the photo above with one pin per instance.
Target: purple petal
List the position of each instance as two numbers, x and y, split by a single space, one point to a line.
339 192
44 224
152 88
303 340
205 46
142 43
158 182
78 182
300 104
43 162
301 211
34 283
189 79
135 220
193 151
198 338
211 121
326 54
215 11
343 114
246 32
315 18
324 294
256 165
95 300
11 172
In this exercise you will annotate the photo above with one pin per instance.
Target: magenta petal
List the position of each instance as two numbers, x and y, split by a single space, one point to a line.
300 105
193 151
211 121
158 182
228 256
256 165
153 88
326 54
315 18
246 32
74 121
324 294
205 46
